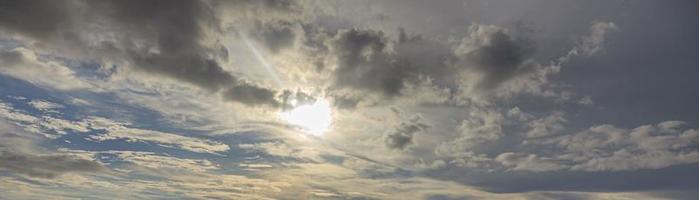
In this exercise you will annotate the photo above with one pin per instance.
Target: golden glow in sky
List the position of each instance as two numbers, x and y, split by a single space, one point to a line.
314 118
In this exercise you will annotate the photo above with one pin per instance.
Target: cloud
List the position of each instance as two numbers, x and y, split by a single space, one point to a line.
162 162
285 150
278 35
25 64
481 127
531 162
252 95
14 139
564 195
543 159
403 133
46 166
593 42
494 54
364 63
12 114
46 16
53 127
608 148
162 39
470 74
48 126
145 172
373 62
549 125
115 130
45 106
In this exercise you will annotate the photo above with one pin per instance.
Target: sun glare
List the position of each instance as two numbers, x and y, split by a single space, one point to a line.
314 118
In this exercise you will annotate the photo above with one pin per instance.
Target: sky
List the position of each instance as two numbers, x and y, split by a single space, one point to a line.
316 99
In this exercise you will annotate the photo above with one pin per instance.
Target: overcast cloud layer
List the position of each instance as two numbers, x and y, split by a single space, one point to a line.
535 99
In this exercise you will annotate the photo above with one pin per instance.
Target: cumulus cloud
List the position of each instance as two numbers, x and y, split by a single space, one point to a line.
548 125
482 126
403 135
610 148
364 63
476 66
369 66
495 54
45 106
375 62
546 149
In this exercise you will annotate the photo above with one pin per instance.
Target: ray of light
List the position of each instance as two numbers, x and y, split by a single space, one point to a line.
268 68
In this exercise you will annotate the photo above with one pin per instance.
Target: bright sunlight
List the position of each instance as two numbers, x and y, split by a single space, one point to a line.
314 118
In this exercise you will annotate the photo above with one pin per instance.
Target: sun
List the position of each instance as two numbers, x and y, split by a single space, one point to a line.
314 118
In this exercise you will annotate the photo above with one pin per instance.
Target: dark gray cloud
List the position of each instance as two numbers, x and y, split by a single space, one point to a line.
10 58
251 95
46 166
364 63
37 18
371 60
172 40
425 57
163 38
177 28
278 35
404 133
495 54
264 5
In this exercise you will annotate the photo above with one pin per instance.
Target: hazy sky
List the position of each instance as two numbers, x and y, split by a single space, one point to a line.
274 99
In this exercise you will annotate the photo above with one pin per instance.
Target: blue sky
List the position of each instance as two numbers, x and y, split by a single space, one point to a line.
441 100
